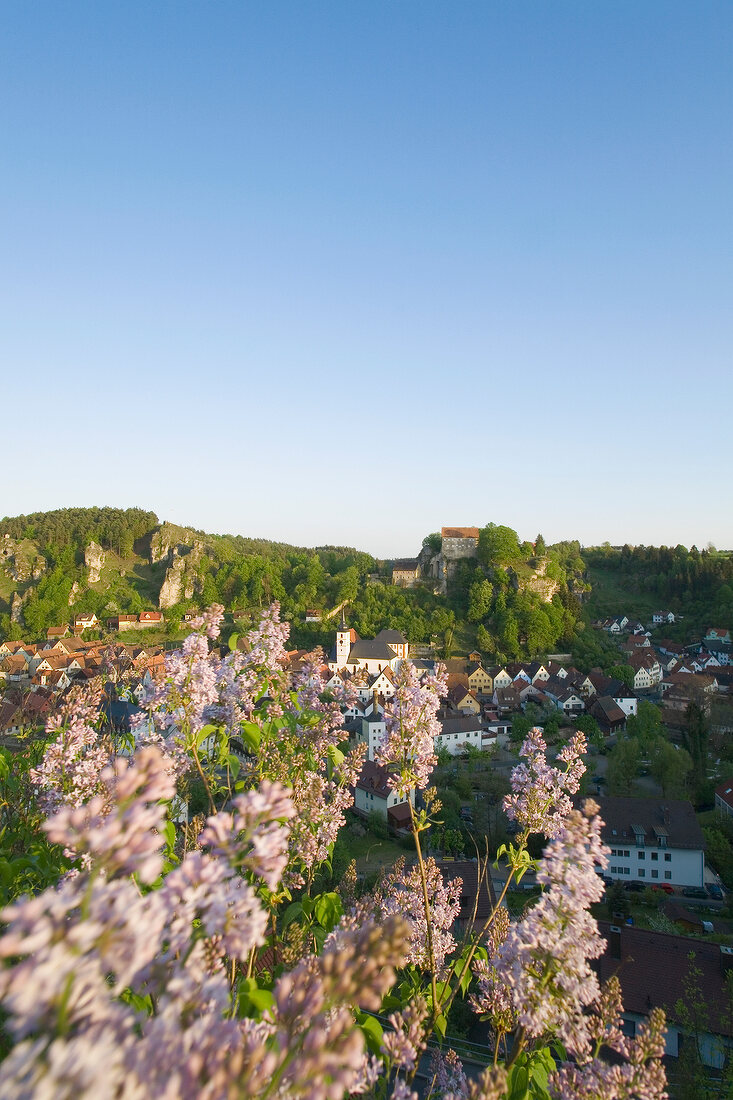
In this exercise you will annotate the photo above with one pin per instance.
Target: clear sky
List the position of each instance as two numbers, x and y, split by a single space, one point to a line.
347 272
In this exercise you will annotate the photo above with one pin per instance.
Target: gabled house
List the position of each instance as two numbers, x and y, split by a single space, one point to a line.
479 680
86 622
717 634
55 632
653 839
608 715
372 794
663 617
462 699
150 618
500 677
456 734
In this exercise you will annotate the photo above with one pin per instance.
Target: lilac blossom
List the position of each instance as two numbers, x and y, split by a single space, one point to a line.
72 764
540 799
120 828
544 959
404 1044
408 750
636 1074
400 891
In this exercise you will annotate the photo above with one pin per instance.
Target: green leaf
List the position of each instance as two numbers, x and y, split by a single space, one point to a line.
517 1082
232 643
204 732
293 910
373 1031
328 910
251 735
234 765
440 1025
169 832
262 999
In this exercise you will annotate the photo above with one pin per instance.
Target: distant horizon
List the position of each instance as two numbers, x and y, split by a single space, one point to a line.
388 556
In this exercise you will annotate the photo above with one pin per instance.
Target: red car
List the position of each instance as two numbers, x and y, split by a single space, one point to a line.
663 886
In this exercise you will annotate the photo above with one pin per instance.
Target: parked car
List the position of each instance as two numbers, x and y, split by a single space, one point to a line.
664 887
715 891
635 887
694 892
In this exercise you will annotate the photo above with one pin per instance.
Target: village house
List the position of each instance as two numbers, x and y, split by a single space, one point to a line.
653 839
372 794
479 680
647 670
55 632
150 618
724 798
653 967
86 622
608 715
457 734
461 698
663 617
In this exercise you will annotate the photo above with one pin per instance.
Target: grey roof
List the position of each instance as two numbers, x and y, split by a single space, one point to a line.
460 725
373 648
391 636
674 815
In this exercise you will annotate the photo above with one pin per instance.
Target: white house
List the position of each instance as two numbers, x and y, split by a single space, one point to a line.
372 794
653 840
458 733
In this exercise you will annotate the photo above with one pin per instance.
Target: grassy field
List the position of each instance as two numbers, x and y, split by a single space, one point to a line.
613 595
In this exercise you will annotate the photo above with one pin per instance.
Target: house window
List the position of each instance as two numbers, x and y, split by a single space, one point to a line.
641 872
655 855
655 874
641 855
667 857
668 874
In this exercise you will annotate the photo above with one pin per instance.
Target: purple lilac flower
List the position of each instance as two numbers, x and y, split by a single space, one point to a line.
408 750
544 958
540 800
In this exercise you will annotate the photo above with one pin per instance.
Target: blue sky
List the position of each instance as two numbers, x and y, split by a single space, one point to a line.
345 273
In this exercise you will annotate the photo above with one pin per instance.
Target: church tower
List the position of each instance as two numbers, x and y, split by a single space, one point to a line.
343 642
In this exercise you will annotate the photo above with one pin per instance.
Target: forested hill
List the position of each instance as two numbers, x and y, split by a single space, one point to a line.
636 581
512 599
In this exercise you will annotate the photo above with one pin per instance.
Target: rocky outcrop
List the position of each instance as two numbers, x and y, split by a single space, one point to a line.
94 559
168 537
543 586
182 579
73 593
16 608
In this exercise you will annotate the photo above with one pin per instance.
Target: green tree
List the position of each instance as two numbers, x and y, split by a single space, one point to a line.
623 767
671 767
695 737
540 548
591 729
624 673
498 546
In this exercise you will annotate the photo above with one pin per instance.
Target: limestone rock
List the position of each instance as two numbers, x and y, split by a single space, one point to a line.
16 608
74 592
94 559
